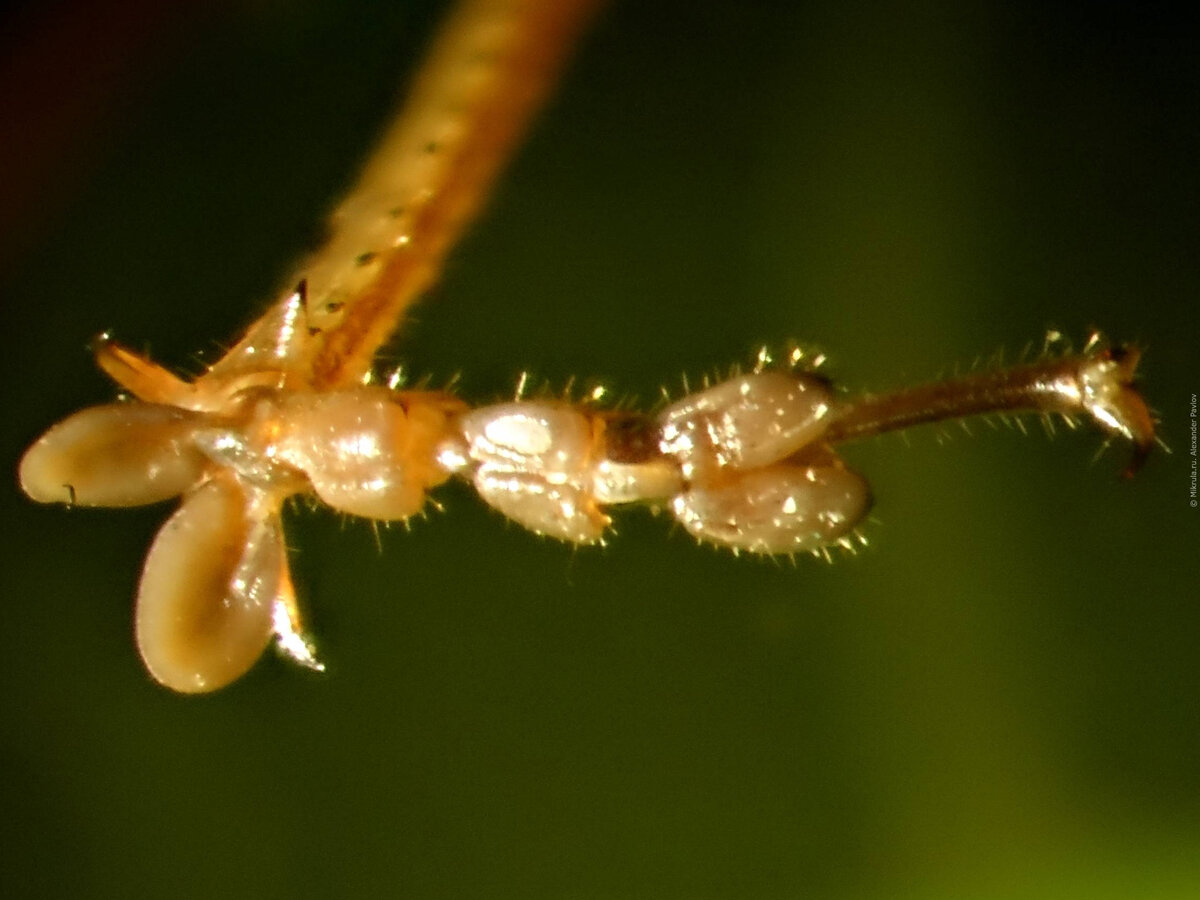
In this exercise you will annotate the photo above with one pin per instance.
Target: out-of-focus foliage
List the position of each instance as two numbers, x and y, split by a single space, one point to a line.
998 699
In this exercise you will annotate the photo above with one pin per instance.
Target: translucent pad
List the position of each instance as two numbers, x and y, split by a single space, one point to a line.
777 509
121 454
534 467
364 454
744 423
562 511
208 591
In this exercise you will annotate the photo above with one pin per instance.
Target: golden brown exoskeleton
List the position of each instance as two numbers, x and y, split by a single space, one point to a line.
748 463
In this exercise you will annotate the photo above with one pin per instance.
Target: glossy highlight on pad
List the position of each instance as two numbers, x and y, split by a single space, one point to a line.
750 463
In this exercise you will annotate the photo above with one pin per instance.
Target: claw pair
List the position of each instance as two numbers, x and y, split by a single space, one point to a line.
215 588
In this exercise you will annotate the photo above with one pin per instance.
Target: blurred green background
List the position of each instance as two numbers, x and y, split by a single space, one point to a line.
998 699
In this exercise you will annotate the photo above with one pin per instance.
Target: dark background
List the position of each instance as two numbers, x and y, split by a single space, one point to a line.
999 698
